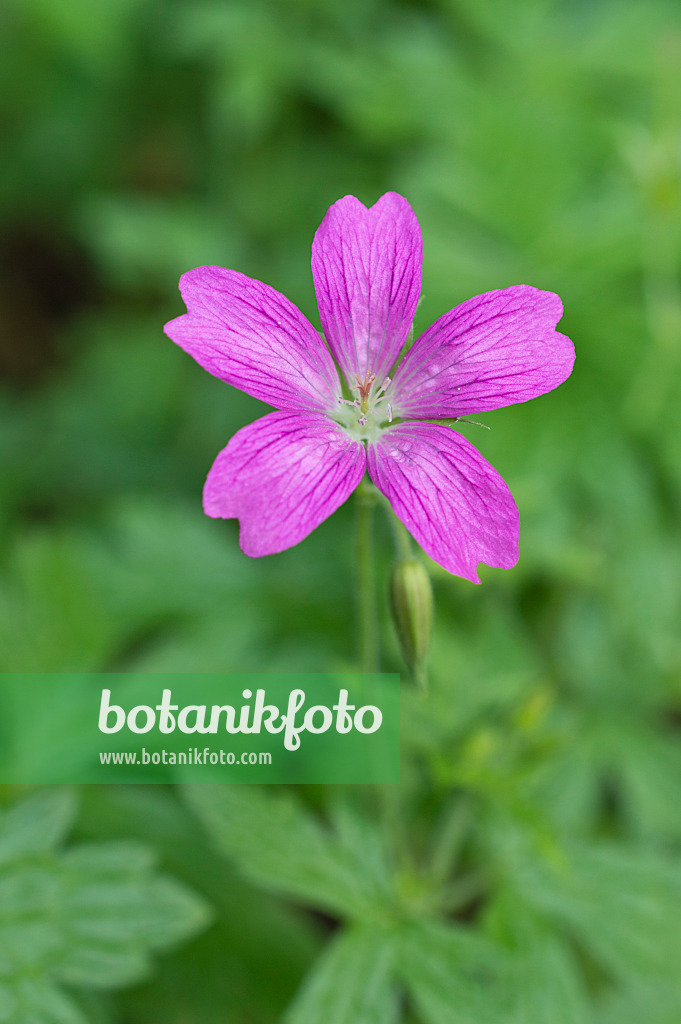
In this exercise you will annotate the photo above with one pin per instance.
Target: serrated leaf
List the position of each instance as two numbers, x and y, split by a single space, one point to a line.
453 975
544 984
119 911
172 913
90 916
542 979
101 860
26 1001
250 963
351 983
97 966
622 904
277 843
37 824
366 843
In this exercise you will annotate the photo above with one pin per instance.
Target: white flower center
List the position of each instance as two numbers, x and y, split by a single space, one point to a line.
369 413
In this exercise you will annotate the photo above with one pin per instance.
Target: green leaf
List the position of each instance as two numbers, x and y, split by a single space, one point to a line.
91 915
281 846
545 984
542 979
351 983
249 964
119 910
26 1001
622 904
643 764
37 824
453 975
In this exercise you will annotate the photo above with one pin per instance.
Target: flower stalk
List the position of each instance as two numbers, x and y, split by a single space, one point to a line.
367 614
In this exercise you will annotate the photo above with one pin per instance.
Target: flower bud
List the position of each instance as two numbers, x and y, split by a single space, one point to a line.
411 598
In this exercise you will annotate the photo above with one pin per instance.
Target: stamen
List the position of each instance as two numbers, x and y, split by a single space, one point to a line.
390 413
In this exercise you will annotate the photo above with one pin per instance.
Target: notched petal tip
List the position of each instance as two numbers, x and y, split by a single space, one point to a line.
173 328
389 201
550 302
251 336
493 350
396 203
366 265
506 557
210 277
211 506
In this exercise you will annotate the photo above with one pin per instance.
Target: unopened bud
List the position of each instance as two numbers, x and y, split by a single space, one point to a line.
411 598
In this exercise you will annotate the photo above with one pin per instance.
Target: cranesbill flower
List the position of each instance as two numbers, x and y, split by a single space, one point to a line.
286 473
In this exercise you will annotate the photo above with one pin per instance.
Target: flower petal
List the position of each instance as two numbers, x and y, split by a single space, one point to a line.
453 502
366 265
251 336
493 350
281 477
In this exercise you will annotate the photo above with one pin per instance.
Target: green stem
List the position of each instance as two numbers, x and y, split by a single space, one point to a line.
400 535
366 581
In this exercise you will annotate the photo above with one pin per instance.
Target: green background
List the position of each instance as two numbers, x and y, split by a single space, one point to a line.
528 870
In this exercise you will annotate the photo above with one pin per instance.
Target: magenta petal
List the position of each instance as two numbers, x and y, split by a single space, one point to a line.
450 499
366 265
281 477
493 350
251 336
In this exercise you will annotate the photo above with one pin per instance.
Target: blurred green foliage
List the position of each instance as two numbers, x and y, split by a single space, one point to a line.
87 916
528 871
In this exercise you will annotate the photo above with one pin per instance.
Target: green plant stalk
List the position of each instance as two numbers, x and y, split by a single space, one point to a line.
400 535
367 615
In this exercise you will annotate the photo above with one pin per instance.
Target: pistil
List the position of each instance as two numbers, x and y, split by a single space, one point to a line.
364 388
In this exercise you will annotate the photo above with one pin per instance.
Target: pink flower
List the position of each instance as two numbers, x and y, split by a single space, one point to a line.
286 473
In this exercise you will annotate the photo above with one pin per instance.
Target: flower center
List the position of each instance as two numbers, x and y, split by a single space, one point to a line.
364 417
